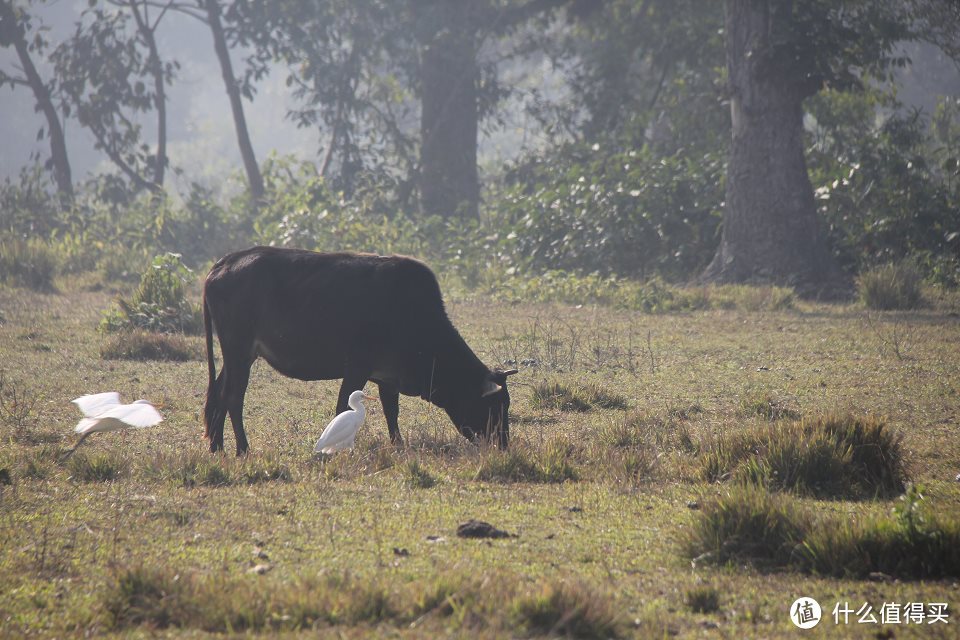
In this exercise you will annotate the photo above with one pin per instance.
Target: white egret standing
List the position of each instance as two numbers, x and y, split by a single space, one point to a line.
104 412
342 430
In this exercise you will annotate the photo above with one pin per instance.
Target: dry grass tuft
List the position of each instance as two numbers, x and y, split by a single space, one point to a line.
97 467
568 609
833 456
144 345
891 287
523 463
560 397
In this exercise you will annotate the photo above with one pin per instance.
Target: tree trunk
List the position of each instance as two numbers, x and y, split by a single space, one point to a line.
770 228
12 33
449 75
160 100
254 177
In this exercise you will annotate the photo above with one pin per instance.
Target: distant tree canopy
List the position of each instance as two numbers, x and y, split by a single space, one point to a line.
749 140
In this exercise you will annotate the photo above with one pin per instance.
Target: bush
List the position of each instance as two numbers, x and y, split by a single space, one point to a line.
614 208
29 263
885 188
890 287
159 304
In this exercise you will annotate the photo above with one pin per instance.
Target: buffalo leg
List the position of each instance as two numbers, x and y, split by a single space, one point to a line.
239 378
390 400
215 413
353 380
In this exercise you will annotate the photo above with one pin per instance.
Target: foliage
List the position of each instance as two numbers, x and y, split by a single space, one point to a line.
29 263
892 286
887 190
614 210
105 72
159 304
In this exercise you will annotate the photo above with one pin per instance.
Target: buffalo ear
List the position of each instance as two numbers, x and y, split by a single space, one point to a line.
509 372
489 388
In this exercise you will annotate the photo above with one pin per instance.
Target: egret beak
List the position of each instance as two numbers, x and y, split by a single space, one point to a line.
369 397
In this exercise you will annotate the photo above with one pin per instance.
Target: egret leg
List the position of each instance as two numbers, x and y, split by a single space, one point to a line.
74 448
390 400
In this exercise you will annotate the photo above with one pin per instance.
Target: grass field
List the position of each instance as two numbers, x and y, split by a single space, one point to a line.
144 533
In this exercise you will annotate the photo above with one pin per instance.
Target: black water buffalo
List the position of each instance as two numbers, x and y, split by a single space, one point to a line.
321 316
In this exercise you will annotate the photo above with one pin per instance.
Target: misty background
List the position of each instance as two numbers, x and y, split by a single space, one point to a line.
565 139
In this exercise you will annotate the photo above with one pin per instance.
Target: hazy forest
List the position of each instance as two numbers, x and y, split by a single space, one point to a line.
719 240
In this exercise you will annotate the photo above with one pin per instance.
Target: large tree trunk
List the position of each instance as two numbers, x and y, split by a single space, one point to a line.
449 76
770 228
11 32
254 177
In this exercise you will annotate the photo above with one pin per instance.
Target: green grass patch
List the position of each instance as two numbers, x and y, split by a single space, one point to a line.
97 467
417 476
155 597
767 406
551 464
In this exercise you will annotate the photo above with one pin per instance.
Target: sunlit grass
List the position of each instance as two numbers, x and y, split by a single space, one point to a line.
602 502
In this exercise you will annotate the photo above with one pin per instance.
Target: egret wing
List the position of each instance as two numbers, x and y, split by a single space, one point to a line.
97 403
86 425
343 427
139 415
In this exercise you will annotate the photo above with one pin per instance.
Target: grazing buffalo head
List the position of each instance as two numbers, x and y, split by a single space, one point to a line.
483 414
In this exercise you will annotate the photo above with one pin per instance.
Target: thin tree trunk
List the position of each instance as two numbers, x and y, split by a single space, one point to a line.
160 100
771 232
449 184
254 178
13 34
